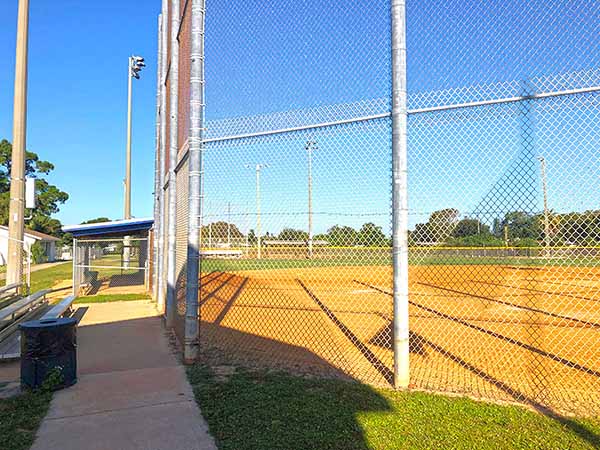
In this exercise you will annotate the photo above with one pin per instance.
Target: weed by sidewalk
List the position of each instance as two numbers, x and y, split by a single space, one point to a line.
264 410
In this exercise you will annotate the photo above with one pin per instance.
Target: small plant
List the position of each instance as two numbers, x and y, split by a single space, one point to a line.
38 255
54 380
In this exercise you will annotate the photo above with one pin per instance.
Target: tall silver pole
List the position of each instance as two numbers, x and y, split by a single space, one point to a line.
546 210
310 145
128 150
157 169
195 184
160 304
16 220
173 142
258 224
400 195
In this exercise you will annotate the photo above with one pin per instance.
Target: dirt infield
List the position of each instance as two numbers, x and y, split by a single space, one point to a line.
527 334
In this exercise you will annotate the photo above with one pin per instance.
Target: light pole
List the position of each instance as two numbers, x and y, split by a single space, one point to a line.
135 65
310 147
17 174
258 169
546 211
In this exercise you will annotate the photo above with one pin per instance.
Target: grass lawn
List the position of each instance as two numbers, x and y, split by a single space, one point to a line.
107 298
47 278
20 418
262 410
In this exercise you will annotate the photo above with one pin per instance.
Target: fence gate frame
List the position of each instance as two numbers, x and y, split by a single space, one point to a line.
86 272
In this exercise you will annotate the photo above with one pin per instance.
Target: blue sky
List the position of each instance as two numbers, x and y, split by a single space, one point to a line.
264 57
78 98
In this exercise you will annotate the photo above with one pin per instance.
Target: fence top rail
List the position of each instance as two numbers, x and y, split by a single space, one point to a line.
117 239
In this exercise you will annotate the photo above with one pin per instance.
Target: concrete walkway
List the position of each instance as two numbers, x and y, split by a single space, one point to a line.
132 393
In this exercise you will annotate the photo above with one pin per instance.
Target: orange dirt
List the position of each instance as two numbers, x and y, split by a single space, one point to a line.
498 332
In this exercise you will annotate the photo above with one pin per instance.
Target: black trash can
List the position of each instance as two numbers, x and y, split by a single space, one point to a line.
49 349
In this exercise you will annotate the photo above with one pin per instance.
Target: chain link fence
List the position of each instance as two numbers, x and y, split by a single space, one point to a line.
106 266
296 236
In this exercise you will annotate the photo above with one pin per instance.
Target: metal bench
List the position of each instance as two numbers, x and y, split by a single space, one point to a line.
19 311
60 308
9 290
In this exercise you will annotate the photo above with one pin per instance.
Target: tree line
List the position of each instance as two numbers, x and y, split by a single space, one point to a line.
515 228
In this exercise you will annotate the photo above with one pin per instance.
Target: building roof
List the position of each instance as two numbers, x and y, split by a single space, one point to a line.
38 236
116 227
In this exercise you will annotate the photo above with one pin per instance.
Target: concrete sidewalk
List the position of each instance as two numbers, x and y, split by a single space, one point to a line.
132 393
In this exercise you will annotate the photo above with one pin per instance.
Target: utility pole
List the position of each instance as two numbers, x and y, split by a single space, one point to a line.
258 169
310 147
546 211
17 173
135 65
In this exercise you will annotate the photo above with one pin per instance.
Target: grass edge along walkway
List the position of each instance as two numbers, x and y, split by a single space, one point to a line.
259 410
20 418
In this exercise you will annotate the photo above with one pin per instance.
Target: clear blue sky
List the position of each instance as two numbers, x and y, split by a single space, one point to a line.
264 57
78 98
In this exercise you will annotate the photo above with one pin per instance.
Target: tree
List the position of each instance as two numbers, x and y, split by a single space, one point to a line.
437 229
96 220
520 225
372 235
221 230
469 227
290 234
49 197
342 236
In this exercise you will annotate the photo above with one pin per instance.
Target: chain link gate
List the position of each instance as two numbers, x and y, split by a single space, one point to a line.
115 265
503 220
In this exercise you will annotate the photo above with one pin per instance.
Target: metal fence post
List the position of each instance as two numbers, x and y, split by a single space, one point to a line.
399 196
160 304
173 148
157 169
75 276
195 176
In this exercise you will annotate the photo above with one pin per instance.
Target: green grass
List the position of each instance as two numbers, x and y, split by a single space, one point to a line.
48 278
225 265
107 298
20 418
261 410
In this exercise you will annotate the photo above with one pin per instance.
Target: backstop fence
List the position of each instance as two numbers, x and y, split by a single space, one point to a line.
488 284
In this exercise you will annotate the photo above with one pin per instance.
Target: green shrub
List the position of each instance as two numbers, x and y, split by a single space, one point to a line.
38 255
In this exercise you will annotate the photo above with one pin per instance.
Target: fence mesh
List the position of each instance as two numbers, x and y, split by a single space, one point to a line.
501 157
504 226
181 249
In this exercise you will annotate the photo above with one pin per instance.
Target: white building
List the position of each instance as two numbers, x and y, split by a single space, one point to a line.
31 237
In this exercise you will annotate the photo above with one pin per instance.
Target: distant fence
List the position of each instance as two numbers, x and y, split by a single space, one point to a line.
340 138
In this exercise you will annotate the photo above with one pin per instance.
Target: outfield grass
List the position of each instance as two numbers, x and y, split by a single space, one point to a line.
20 418
226 265
261 410
108 298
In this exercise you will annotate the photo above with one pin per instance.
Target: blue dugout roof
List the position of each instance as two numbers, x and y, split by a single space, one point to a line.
117 227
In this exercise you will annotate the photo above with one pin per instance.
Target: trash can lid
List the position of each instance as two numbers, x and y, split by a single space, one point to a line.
48 323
